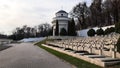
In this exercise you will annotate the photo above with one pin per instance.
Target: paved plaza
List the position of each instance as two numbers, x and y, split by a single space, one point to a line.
26 55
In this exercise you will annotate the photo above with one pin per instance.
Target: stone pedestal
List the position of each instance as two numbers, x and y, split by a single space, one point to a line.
90 49
54 31
100 50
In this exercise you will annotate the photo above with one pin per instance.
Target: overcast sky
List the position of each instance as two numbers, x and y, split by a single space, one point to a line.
16 13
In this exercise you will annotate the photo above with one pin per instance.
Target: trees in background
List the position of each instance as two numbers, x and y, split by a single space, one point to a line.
28 32
96 13
3 36
99 13
81 12
44 29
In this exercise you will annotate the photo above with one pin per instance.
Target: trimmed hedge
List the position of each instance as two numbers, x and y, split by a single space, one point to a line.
109 30
91 32
100 31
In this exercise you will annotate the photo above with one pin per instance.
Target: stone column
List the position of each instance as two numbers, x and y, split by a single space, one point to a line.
53 30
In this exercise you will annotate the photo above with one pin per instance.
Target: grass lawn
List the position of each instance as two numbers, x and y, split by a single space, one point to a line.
74 61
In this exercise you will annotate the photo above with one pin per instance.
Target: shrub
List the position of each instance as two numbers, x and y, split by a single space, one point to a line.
100 32
91 32
63 32
118 45
112 29
109 30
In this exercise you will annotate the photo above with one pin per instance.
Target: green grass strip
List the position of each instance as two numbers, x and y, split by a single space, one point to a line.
74 61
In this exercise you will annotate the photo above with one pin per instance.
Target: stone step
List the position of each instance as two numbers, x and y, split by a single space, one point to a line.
95 56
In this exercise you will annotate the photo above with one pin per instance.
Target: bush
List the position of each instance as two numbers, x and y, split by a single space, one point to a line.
109 30
91 32
100 32
112 29
63 32
118 45
117 27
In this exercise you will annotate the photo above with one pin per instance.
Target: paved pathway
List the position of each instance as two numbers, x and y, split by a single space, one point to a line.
26 55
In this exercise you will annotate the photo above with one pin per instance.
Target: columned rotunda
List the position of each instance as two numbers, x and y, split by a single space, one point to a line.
60 21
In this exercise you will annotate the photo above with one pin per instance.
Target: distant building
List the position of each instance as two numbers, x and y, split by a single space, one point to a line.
61 20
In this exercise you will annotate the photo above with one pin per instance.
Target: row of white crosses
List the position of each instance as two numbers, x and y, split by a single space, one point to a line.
90 43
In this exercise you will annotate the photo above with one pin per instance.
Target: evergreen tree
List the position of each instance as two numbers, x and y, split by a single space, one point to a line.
63 32
57 28
71 28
